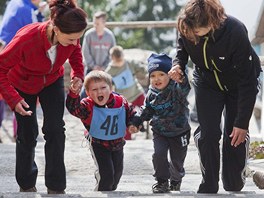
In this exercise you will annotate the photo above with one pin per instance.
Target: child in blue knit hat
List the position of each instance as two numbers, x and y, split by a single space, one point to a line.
166 106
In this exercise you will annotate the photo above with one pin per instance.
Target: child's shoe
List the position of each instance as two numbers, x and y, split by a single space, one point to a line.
161 187
175 185
258 179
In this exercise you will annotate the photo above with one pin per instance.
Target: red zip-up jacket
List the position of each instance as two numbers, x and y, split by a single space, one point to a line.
25 65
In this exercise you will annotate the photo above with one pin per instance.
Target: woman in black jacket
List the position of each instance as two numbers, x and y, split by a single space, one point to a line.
225 77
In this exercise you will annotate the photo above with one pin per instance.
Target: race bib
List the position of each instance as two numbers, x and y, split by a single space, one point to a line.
108 123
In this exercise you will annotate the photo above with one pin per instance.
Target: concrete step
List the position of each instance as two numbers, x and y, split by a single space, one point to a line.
136 181
130 186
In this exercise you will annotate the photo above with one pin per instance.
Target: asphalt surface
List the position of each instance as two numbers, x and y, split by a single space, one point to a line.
136 181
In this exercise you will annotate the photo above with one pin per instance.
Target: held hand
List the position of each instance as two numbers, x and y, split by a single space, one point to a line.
76 85
238 136
19 108
176 73
132 129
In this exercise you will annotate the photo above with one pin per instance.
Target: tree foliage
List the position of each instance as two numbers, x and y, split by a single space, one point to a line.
3 6
156 39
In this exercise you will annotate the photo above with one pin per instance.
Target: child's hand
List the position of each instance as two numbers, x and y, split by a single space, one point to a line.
132 129
76 85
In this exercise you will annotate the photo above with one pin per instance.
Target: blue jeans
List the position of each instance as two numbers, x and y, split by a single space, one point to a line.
51 99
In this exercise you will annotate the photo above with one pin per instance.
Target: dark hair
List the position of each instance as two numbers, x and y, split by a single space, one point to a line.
67 16
200 14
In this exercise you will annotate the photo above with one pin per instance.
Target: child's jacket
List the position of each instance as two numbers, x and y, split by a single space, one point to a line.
167 109
84 110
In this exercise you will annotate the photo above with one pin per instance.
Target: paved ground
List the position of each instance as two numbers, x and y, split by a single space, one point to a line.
136 180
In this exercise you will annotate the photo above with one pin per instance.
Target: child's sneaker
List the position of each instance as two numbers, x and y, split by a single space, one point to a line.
160 187
175 186
258 179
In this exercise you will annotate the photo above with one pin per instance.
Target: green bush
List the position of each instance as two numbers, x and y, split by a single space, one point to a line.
256 150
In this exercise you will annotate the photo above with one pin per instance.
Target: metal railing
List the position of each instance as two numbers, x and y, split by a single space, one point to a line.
139 24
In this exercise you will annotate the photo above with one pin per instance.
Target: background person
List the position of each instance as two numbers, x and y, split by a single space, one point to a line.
18 13
125 76
96 44
225 77
31 67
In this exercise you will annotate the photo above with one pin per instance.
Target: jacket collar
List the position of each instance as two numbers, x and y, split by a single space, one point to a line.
43 33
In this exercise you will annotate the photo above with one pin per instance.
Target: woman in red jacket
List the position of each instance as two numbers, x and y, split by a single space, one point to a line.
31 67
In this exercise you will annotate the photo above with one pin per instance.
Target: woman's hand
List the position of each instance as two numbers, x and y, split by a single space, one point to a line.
176 73
19 108
76 85
238 136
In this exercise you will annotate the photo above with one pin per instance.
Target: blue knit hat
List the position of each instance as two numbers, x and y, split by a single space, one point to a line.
159 62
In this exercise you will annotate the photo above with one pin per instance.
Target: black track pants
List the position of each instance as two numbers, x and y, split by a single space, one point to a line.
210 106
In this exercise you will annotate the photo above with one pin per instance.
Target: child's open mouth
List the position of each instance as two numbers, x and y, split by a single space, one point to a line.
100 98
